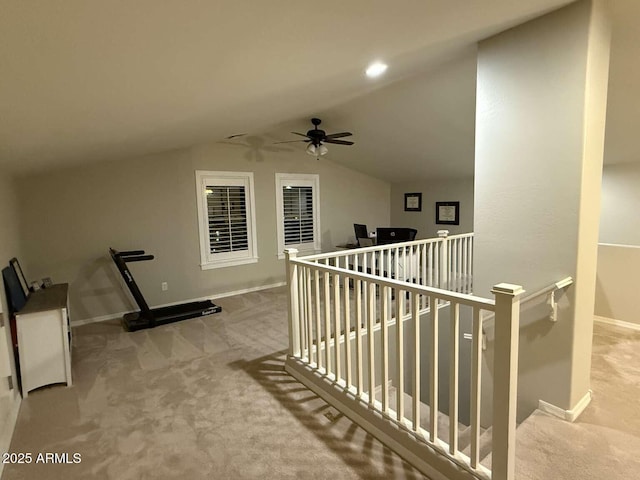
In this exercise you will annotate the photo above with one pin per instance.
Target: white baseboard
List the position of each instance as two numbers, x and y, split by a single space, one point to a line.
118 315
10 424
617 323
568 415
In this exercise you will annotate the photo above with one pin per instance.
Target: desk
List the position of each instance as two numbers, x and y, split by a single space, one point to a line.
44 339
347 246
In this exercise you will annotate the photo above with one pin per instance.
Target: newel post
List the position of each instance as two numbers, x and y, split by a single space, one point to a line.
505 381
444 259
292 304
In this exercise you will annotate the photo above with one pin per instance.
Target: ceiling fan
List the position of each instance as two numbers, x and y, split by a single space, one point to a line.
316 139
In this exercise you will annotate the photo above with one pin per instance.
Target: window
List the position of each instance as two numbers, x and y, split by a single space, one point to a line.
298 212
226 218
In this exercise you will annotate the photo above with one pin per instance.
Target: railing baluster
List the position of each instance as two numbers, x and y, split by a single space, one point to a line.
465 247
431 266
302 306
423 280
399 355
408 251
318 329
371 298
347 332
459 266
471 266
384 311
337 328
454 355
404 265
365 262
458 263
434 371
358 321
476 377
438 281
309 322
327 323
415 321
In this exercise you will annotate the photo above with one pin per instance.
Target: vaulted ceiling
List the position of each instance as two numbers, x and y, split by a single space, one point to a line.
87 81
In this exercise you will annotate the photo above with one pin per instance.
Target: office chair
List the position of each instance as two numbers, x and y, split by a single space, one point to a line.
386 235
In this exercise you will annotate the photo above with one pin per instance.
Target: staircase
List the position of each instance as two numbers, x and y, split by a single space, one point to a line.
464 431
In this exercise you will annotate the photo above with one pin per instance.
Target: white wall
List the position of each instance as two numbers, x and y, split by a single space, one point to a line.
539 143
619 218
69 218
454 190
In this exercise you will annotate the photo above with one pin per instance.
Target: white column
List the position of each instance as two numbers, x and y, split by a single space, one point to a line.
292 304
540 116
505 374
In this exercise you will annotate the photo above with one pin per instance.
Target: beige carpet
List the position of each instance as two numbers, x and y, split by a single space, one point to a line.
208 399
205 398
604 443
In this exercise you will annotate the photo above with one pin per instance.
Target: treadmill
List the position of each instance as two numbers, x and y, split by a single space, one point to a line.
152 317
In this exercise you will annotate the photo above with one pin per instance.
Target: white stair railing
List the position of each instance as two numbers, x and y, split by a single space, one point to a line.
445 262
349 335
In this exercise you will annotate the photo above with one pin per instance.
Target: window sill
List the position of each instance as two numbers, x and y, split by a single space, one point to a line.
228 263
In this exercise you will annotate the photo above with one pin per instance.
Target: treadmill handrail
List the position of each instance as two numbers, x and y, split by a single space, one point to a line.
131 252
131 255
139 258
130 282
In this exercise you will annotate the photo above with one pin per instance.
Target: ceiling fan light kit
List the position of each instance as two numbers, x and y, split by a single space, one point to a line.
317 150
317 138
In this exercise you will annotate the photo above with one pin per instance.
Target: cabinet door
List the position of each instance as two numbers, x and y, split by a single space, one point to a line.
42 349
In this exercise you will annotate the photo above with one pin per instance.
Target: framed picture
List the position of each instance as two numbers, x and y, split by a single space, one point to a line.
413 202
448 213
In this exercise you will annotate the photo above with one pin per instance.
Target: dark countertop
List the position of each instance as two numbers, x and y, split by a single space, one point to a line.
50 298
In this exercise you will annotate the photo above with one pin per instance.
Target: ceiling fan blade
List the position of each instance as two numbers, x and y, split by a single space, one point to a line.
301 134
339 135
338 142
292 141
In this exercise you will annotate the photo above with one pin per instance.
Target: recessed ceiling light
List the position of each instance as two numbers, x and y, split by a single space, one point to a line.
376 69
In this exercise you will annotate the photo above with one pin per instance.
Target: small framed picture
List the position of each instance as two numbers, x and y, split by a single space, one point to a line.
448 213
413 202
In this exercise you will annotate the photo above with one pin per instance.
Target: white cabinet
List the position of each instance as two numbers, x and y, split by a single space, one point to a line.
44 339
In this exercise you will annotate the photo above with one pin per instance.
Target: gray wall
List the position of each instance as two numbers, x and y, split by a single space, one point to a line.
539 145
433 191
617 284
70 217
619 218
9 247
619 252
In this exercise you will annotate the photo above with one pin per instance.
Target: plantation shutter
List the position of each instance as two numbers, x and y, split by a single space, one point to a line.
227 217
298 214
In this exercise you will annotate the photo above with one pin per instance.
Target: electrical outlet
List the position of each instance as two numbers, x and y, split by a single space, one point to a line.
165 286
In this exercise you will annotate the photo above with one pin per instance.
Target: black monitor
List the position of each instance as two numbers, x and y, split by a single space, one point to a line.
13 289
386 235
360 231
